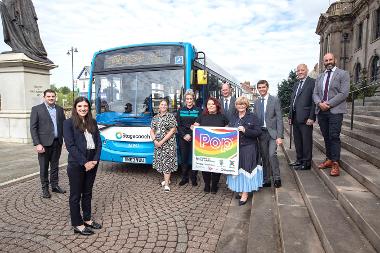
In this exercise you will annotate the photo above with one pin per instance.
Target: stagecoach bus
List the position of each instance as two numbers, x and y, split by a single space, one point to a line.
129 82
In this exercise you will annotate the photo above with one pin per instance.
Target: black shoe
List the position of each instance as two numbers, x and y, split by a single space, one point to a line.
94 225
207 188
58 189
194 183
277 183
214 190
267 184
86 231
302 167
296 163
242 202
237 196
46 193
183 182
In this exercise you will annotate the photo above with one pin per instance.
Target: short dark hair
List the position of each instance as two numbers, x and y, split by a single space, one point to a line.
49 91
262 82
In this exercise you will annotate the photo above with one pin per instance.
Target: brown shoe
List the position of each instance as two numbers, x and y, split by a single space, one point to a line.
326 164
335 169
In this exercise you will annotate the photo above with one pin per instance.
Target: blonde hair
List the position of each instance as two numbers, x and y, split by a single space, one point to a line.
190 92
242 100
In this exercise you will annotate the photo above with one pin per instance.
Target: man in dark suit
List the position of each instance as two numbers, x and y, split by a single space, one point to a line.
46 128
302 117
227 101
268 111
330 93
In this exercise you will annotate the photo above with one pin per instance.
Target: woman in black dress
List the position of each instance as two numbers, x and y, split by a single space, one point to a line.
211 116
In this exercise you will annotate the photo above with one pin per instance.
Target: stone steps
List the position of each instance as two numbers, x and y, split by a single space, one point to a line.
369 128
363 150
329 200
364 118
371 139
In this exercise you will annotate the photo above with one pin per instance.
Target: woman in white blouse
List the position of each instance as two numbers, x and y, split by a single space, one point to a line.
83 143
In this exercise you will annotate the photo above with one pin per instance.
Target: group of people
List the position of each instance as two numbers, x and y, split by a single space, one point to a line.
324 99
48 128
260 134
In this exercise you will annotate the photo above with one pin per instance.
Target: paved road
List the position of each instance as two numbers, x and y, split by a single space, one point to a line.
17 160
136 214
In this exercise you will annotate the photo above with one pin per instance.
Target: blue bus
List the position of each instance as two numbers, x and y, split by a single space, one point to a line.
130 81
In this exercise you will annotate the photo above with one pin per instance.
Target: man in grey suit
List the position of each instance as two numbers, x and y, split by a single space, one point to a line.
268 110
227 101
302 117
46 128
330 93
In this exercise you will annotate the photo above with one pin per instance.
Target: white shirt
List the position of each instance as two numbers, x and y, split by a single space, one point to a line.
89 140
228 102
265 106
325 79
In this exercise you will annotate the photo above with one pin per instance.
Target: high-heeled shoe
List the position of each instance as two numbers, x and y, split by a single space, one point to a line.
237 196
86 231
241 202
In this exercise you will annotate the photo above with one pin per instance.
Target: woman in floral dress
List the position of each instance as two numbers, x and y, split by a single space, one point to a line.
163 129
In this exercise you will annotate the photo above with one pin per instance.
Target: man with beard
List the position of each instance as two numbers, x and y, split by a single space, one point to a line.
302 117
330 93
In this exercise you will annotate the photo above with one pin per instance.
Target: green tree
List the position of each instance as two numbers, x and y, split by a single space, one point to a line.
285 89
64 90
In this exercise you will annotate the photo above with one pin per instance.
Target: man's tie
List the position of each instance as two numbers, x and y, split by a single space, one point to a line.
262 111
297 91
226 105
326 90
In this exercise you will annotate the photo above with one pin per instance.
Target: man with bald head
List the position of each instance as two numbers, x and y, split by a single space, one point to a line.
302 117
330 93
227 101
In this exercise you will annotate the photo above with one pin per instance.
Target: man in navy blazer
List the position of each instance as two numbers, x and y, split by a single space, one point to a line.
227 102
46 129
330 93
302 117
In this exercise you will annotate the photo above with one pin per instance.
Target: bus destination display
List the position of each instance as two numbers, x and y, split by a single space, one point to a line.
138 58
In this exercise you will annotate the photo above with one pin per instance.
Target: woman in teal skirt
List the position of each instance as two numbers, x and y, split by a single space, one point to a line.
250 176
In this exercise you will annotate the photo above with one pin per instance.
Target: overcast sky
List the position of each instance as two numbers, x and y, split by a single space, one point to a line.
251 39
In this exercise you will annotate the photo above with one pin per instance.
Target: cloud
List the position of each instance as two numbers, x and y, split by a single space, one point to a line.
252 40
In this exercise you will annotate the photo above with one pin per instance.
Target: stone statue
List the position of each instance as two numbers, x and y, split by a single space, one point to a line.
21 30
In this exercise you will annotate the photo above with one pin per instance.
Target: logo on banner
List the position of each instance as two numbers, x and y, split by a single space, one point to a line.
218 143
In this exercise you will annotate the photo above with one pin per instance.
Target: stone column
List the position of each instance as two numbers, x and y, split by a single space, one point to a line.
22 83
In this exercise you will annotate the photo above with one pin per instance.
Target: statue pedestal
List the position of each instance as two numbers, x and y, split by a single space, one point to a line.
22 83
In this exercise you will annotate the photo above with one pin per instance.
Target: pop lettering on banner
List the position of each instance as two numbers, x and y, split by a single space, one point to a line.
216 149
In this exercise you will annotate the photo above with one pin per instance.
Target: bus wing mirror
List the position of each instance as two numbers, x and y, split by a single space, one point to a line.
201 77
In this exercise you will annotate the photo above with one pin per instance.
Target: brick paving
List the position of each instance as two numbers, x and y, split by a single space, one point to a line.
137 215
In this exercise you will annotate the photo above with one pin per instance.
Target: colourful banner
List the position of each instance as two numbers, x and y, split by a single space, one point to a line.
216 149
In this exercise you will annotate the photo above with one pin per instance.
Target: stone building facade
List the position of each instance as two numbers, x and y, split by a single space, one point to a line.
350 29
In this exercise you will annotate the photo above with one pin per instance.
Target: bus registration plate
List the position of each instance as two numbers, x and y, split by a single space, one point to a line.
134 159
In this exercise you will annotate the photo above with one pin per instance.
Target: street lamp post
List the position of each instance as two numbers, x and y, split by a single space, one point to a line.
71 52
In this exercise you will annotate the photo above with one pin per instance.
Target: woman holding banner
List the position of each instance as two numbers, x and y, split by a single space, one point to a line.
163 129
250 176
211 116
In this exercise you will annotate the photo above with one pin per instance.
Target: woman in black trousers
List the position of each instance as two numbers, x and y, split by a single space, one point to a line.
211 116
83 143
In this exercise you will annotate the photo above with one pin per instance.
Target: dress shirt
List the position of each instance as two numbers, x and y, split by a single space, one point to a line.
265 106
228 102
325 79
53 115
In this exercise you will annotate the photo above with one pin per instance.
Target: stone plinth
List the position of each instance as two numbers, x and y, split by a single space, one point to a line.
22 83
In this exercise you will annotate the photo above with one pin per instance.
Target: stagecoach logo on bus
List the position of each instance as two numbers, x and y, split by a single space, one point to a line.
216 149
130 134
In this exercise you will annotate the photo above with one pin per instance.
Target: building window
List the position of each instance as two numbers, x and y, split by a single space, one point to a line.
358 68
359 36
377 23
375 66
